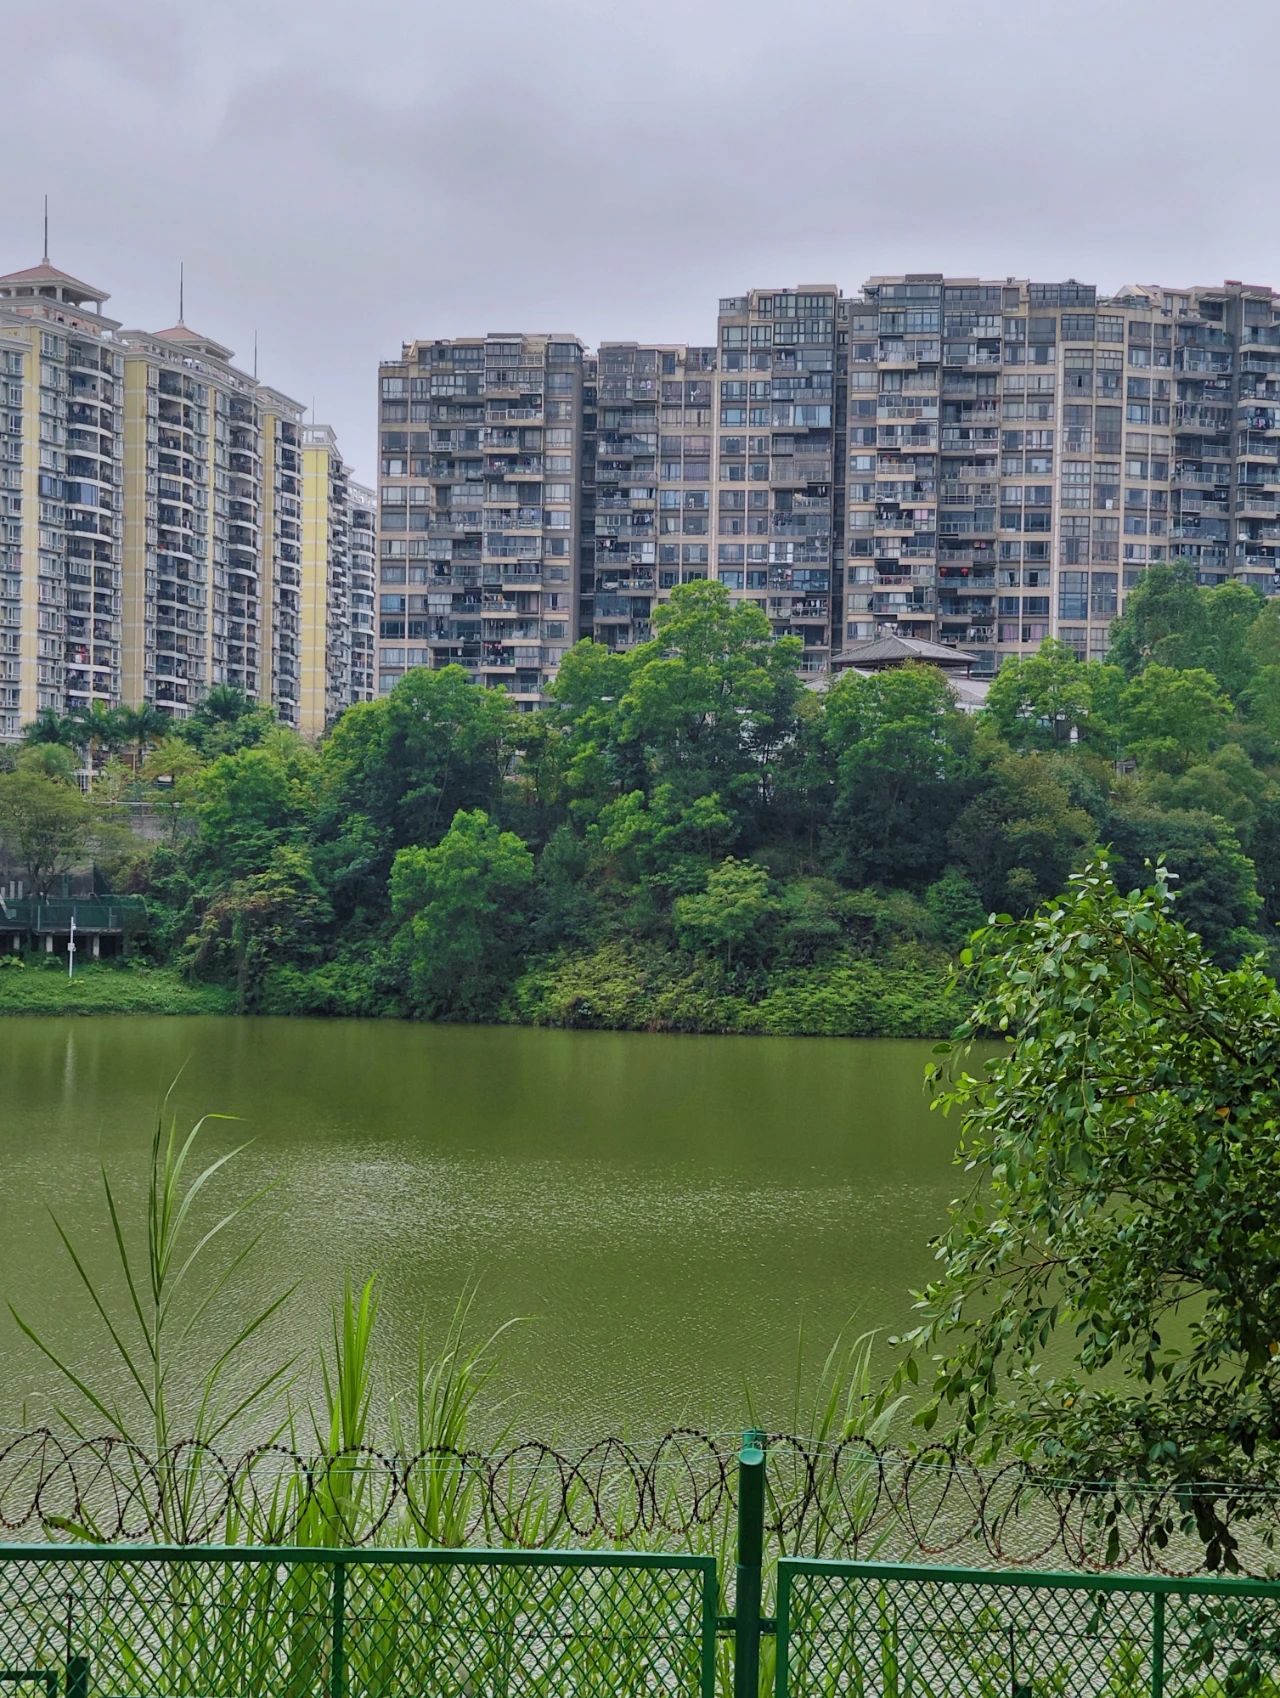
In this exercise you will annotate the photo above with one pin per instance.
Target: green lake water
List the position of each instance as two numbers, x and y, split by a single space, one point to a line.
669 1212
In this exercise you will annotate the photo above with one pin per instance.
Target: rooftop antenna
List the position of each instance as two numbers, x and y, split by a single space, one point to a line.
255 356
182 290
45 259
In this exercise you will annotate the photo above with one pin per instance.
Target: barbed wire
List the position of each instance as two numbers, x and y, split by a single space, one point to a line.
850 1498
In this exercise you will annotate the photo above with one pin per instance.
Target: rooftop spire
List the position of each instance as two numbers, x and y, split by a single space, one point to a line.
182 291
45 258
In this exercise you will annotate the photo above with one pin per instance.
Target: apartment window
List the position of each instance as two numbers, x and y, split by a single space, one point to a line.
1073 595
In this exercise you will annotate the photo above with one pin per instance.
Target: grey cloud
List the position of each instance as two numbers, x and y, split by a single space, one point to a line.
341 179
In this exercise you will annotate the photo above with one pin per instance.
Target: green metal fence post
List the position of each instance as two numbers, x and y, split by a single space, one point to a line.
77 1677
746 1609
782 1679
337 1633
1157 1645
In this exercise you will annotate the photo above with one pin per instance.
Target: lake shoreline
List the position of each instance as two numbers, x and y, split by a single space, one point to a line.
814 1005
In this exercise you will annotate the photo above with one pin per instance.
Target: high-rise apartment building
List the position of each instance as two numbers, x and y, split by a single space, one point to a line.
980 463
280 645
777 454
363 534
151 500
61 371
1019 453
480 486
210 543
654 433
326 580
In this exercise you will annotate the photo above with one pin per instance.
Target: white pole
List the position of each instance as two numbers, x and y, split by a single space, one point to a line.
71 948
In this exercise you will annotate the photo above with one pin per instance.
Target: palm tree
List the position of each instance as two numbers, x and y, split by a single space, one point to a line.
51 727
143 726
224 704
100 728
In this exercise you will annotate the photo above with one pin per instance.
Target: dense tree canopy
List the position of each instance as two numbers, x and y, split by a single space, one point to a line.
667 794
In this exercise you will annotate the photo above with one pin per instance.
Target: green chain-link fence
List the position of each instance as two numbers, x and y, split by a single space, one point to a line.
121 1621
882 1631
109 1622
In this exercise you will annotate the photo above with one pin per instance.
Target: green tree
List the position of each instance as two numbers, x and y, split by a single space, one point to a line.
1226 783
1261 699
902 756
663 840
731 917
1217 888
1231 611
46 823
1022 831
1043 700
1169 717
143 726
267 918
251 801
709 705
101 732
1109 1301
395 772
226 720
171 768
955 908
60 730
1163 620
1170 620
462 909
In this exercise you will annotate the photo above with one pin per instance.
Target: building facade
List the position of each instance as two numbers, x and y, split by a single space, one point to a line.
977 463
61 483
652 483
362 530
480 508
151 513
1019 453
778 518
210 543
326 581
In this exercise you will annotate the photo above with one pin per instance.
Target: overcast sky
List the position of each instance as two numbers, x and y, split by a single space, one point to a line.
344 177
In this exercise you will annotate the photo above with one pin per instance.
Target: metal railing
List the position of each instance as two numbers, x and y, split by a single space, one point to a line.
92 913
885 1631
225 1622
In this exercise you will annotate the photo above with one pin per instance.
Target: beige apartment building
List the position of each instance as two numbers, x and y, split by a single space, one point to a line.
61 482
363 535
211 526
326 581
151 519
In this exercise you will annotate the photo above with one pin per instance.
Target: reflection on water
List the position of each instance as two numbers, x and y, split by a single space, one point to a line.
668 1212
